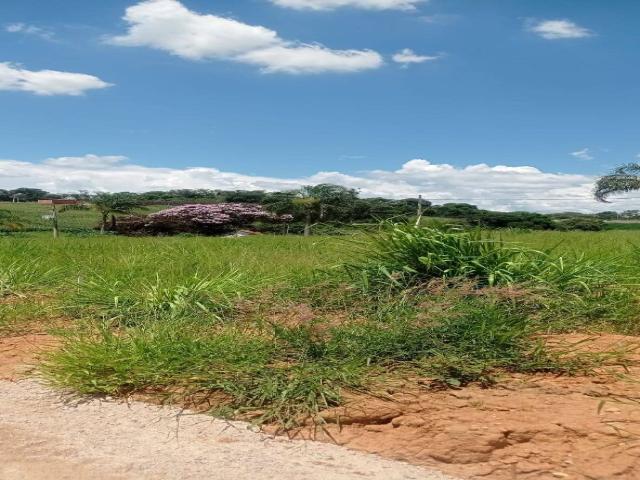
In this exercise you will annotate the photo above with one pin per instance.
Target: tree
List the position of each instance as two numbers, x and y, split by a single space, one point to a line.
29 194
242 196
454 210
625 178
209 219
314 203
110 204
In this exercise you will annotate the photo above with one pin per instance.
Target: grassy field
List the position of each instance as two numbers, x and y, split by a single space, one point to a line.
277 328
32 217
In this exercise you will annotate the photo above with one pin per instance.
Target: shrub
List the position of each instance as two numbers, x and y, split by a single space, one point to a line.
527 220
208 219
584 224
404 255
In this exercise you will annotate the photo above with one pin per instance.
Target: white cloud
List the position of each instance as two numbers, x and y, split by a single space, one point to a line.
333 4
494 187
30 30
311 59
86 161
408 56
583 154
558 29
47 82
170 26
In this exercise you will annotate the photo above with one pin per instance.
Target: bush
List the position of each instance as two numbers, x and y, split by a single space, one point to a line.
526 220
206 219
404 255
584 224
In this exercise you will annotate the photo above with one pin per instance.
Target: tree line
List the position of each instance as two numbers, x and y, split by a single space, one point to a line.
325 204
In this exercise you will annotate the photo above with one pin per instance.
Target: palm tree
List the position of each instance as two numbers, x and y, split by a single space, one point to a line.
625 178
110 204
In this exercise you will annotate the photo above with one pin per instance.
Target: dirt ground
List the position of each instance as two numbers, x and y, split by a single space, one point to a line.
46 437
19 354
526 427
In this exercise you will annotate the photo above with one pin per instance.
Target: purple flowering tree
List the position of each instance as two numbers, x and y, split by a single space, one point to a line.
210 219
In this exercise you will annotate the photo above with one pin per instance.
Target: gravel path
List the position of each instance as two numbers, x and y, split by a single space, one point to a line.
44 438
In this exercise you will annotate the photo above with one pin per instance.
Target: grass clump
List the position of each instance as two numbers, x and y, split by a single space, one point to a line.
131 302
19 276
288 374
248 373
403 255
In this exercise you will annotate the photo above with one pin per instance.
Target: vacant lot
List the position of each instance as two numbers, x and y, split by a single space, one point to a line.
286 332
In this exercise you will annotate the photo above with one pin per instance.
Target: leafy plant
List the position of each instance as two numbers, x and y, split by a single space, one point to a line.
110 204
405 255
131 304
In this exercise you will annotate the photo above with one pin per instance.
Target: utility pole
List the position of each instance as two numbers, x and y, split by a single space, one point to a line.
419 219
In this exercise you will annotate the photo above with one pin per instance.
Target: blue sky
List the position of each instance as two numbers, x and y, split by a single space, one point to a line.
290 88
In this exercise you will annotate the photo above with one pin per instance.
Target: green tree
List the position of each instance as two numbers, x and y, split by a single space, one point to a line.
29 194
625 178
314 203
108 204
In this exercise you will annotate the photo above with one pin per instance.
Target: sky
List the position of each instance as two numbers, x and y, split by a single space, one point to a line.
507 104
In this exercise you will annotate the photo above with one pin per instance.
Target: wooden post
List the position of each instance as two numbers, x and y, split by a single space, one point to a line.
419 219
54 211
54 220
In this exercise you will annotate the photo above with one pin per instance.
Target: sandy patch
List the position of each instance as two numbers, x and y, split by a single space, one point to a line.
44 438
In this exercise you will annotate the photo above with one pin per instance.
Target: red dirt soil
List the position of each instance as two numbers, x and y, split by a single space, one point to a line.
19 354
527 427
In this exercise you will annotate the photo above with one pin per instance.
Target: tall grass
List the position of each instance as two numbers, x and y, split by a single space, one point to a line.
215 318
405 255
288 374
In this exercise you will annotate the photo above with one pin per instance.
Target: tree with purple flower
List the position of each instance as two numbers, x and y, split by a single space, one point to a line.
210 219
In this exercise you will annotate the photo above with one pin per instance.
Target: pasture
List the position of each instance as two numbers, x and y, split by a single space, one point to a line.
33 217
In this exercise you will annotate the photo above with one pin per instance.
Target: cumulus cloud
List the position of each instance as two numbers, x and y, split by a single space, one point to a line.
86 161
311 59
47 82
497 187
558 29
407 56
25 29
583 154
333 4
170 26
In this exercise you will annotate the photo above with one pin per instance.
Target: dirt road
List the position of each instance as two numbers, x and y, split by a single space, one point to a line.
44 438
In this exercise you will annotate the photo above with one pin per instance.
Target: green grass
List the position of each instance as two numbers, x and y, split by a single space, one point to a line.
31 215
622 226
216 316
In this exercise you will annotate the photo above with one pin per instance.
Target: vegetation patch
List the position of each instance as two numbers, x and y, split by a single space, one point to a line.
202 317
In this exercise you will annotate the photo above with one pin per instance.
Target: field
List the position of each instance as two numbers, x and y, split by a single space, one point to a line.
32 217
282 330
